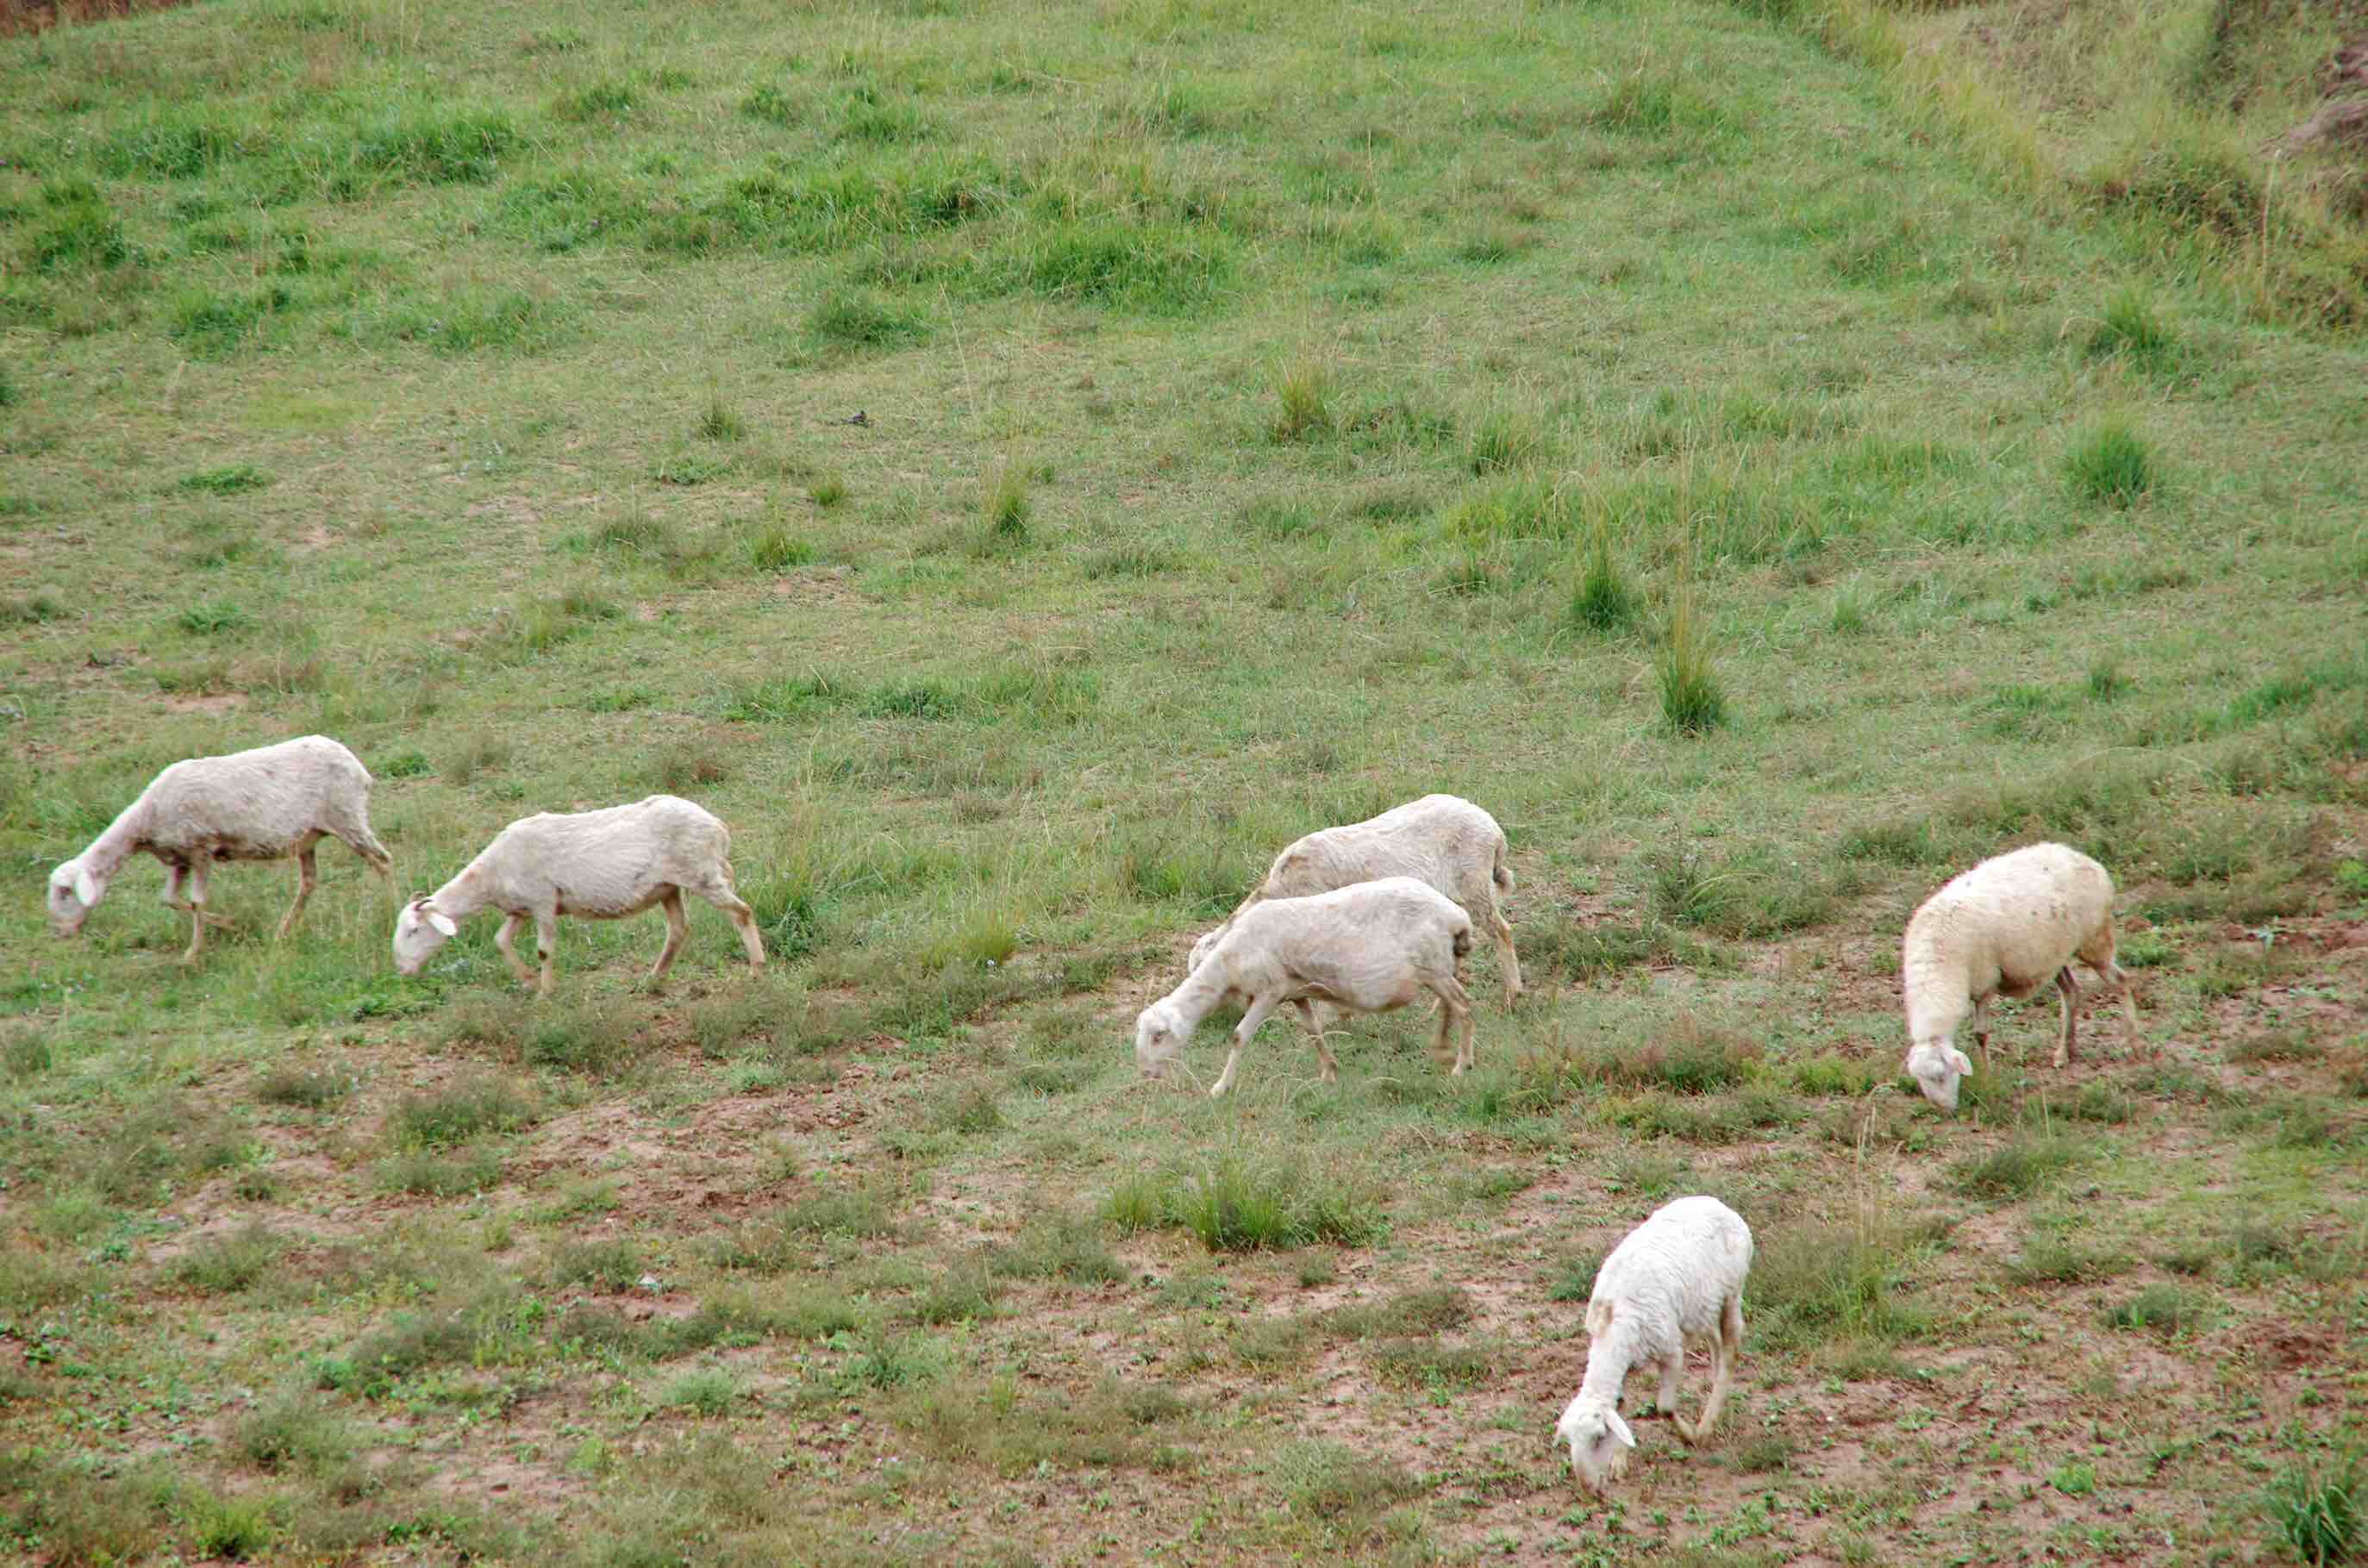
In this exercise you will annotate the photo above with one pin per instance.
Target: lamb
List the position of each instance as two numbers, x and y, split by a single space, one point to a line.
1444 840
2003 928
266 804
1368 949
606 865
1674 1280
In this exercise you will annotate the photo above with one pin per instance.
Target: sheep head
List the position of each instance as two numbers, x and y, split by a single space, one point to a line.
1600 1440
419 930
1159 1036
1937 1067
74 893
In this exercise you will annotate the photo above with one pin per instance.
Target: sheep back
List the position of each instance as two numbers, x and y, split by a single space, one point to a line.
1670 1277
614 861
1443 840
1364 945
255 805
2006 926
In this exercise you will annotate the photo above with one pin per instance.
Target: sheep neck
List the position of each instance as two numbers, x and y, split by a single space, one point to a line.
1609 1356
122 840
466 893
1934 983
1198 996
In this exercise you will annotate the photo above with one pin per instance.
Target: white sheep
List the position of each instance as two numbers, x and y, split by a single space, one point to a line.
264 804
2004 928
1443 840
1673 1281
604 865
1368 949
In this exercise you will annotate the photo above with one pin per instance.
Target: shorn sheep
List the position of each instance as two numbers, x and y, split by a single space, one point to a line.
1674 1280
1368 949
2004 928
266 804
604 865
1443 840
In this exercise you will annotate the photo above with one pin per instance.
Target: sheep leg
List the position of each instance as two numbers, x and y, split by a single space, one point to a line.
1455 1007
505 940
1664 1397
2098 954
724 896
1323 1052
200 863
307 878
1728 1345
371 852
677 927
171 898
1260 1007
2118 977
1982 1030
2069 993
1510 960
546 945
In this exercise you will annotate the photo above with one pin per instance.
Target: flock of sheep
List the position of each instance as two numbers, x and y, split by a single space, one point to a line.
1364 917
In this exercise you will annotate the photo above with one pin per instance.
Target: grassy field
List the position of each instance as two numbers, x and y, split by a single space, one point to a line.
1021 465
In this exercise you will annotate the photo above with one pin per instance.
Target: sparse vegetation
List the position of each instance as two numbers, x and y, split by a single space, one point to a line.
1717 438
2320 1506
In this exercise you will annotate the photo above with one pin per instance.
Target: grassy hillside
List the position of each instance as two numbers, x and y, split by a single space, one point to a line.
2228 136
1629 415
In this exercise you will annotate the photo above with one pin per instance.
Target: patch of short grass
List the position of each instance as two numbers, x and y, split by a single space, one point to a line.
471 1107
2019 1168
228 1264
2158 1309
1236 1203
703 1390
307 1088
1059 1247
2110 464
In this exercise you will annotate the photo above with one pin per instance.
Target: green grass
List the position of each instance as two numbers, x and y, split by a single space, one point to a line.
1692 698
1681 429
2110 463
2320 1507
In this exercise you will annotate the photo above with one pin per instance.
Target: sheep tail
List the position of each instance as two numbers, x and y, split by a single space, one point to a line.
1501 873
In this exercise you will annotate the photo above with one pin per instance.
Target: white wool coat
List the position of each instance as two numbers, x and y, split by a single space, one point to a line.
1667 1281
2005 927
263 805
605 864
1443 841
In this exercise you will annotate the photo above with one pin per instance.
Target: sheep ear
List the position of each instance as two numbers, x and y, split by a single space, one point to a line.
1619 1430
1960 1061
442 921
86 886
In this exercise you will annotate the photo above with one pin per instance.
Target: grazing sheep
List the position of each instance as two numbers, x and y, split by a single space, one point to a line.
264 804
1368 949
604 864
2005 928
1443 840
1674 1280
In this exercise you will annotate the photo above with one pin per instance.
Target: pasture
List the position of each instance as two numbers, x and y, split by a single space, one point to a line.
1019 465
